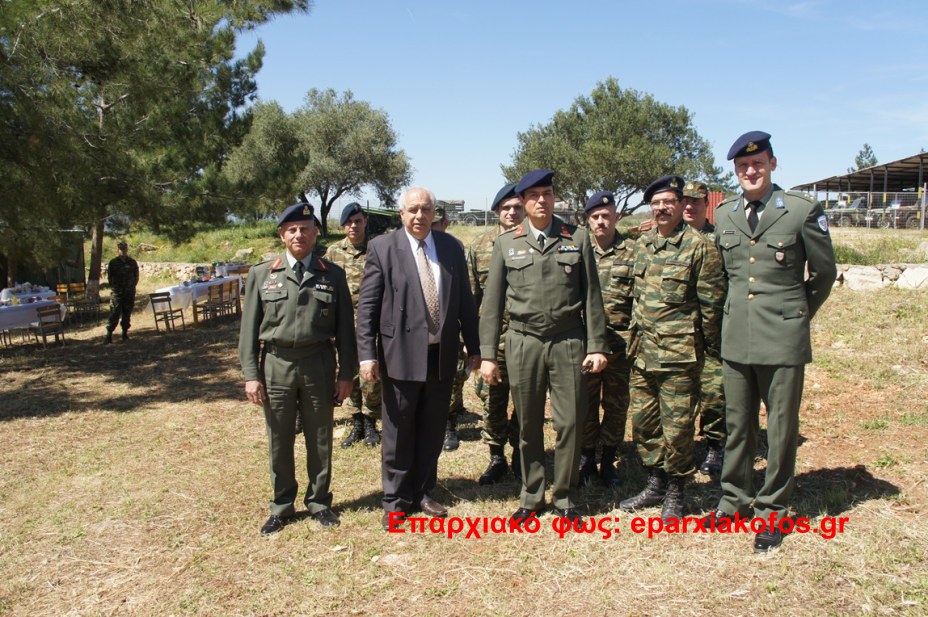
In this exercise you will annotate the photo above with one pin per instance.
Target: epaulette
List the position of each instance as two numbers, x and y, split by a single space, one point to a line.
728 199
276 263
518 231
801 195
322 264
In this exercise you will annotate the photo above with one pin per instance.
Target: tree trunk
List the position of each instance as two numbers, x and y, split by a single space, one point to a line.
12 265
96 259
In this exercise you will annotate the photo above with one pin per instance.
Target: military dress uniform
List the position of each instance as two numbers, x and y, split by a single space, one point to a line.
766 341
555 319
123 276
610 387
499 428
676 318
286 341
365 396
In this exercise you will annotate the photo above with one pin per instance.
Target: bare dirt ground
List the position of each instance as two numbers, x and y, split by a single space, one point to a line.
135 480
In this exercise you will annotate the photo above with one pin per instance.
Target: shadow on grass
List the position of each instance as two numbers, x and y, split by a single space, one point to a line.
192 365
831 492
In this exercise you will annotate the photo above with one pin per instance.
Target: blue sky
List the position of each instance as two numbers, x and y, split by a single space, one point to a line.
459 80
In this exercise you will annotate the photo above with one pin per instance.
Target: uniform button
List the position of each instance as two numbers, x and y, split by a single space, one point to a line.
752 260
750 296
801 312
753 242
750 279
779 244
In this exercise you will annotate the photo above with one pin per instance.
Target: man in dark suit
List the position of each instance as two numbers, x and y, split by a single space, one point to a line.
777 255
415 304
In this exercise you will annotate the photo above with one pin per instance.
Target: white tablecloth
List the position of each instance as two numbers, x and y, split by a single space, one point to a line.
184 297
23 315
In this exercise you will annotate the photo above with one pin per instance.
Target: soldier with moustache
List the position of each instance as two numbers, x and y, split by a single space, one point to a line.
615 257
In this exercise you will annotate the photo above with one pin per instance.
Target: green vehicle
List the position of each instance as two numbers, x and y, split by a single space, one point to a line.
857 214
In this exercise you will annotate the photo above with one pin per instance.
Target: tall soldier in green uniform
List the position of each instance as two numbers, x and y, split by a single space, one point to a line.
452 442
615 256
780 264
676 319
349 254
498 426
122 273
545 273
295 307
711 408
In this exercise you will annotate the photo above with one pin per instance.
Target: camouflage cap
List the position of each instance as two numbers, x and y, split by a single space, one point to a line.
439 214
696 190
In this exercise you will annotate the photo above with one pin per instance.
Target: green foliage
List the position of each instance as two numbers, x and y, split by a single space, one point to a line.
864 159
332 146
877 247
618 140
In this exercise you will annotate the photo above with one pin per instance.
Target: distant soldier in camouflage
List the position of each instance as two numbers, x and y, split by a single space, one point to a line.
676 319
615 256
711 408
122 273
350 254
499 428
440 223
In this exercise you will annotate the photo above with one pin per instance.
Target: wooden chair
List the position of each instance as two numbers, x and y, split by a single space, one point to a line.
212 308
49 324
231 298
81 305
164 311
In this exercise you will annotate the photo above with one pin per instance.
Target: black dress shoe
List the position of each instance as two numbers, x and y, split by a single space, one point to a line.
432 507
399 518
521 515
272 525
717 518
571 514
766 540
326 518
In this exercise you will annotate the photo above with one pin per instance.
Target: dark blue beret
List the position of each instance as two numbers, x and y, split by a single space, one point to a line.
597 200
297 212
664 183
349 211
536 177
752 142
504 193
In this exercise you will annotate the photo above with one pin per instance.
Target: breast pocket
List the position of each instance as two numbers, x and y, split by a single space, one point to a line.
729 247
675 280
568 264
323 310
622 279
783 248
273 300
518 268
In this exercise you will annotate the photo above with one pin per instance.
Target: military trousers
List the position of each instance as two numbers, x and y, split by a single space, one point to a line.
499 428
611 389
121 305
300 381
537 366
365 397
457 387
712 400
780 389
663 405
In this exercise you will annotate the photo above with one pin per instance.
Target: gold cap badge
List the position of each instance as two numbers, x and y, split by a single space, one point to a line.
751 147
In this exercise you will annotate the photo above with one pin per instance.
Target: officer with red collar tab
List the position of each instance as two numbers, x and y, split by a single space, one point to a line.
296 305
544 272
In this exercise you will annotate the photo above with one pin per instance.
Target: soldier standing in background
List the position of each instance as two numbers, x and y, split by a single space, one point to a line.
297 313
350 253
615 257
677 316
544 272
711 407
780 264
122 273
498 427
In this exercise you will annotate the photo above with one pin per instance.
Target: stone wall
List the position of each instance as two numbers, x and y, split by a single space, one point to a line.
903 276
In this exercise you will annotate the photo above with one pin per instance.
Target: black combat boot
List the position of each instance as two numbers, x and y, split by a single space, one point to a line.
497 469
715 453
607 472
371 436
109 337
125 335
451 437
356 433
587 466
652 494
673 501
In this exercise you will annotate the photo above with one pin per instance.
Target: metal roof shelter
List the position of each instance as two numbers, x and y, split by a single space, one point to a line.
906 174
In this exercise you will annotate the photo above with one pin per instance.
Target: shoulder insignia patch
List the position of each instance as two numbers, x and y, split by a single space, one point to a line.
823 223
780 204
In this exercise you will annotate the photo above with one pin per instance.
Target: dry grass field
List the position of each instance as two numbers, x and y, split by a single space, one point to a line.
135 480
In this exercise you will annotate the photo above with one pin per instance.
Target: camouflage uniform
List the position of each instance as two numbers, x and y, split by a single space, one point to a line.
711 408
499 428
123 276
679 293
351 259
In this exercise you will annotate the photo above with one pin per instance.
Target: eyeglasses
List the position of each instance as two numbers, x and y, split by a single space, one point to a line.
665 202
